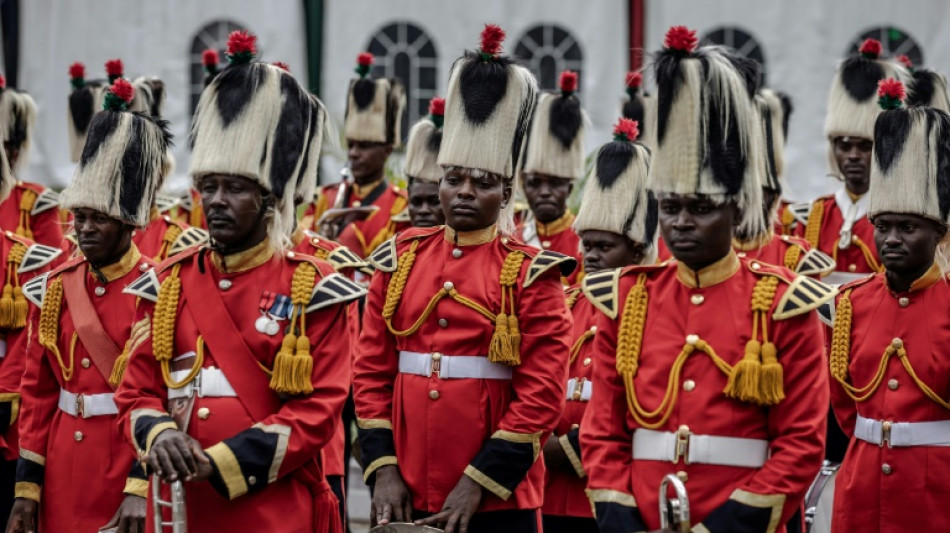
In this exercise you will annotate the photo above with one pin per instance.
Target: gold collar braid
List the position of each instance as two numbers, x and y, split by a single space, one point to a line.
505 345
756 379
840 354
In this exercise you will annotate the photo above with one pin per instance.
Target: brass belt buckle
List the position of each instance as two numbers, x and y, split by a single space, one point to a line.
885 433
80 406
578 390
436 365
682 445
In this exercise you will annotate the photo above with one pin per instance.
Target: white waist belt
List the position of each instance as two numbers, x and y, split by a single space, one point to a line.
451 366
897 434
87 405
700 449
579 390
209 383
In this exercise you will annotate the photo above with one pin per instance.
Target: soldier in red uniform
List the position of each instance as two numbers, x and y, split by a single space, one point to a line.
553 161
465 333
28 209
837 224
708 367
81 336
24 260
772 247
887 359
617 223
243 378
372 128
422 169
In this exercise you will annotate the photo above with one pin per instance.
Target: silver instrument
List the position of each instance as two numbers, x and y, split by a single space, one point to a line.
674 514
178 523
819 500
346 181
330 227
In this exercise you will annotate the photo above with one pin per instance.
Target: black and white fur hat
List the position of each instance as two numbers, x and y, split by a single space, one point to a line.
928 88
422 148
708 127
852 101
18 123
616 198
641 107
910 166
123 161
85 100
255 120
555 144
374 107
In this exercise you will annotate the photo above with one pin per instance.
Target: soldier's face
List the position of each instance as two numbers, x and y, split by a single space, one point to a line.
605 249
906 243
425 209
697 231
367 159
102 238
472 201
853 155
232 206
547 195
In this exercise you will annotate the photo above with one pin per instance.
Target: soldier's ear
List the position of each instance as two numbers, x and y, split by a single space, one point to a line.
505 193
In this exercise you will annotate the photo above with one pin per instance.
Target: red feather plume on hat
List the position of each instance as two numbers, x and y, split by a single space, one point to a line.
568 82
626 130
491 39
681 38
870 48
115 68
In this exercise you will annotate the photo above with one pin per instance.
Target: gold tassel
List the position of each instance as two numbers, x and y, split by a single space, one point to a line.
118 368
743 382
20 308
26 206
505 347
293 365
499 350
280 379
771 386
6 306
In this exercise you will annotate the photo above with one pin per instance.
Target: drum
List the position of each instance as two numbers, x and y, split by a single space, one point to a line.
819 499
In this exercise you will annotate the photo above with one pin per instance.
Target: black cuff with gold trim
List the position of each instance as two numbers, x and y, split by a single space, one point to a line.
146 427
376 444
29 471
504 461
245 462
9 407
136 484
736 517
618 518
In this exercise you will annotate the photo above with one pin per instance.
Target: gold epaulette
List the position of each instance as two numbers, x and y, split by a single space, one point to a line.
803 294
544 260
800 211
602 290
384 257
815 263
190 236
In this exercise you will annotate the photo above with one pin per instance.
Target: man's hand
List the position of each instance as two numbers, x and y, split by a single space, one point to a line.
129 517
391 498
175 455
458 508
22 516
554 457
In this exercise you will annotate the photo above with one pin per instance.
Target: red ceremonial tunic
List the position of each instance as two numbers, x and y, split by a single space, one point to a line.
558 236
682 303
438 429
265 448
35 208
157 239
823 232
564 489
76 467
884 489
362 236
13 341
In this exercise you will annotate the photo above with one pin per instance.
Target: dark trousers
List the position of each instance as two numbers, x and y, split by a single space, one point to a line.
7 478
336 485
568 524
509 521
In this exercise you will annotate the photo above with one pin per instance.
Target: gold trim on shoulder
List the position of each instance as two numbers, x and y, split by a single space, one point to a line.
602 290
383 257
543 262
803 295
815 263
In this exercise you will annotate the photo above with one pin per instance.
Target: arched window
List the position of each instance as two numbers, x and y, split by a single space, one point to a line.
741 41
894 42
215 36
405 52
548 49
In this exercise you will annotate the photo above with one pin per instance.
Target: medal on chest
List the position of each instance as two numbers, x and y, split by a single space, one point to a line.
274 308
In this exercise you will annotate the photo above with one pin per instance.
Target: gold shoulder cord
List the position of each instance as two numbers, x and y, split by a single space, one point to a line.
792 256
840 353
813 227
293 366
26 206
505 346
756 379
48 334
171 235
13 306
163 330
